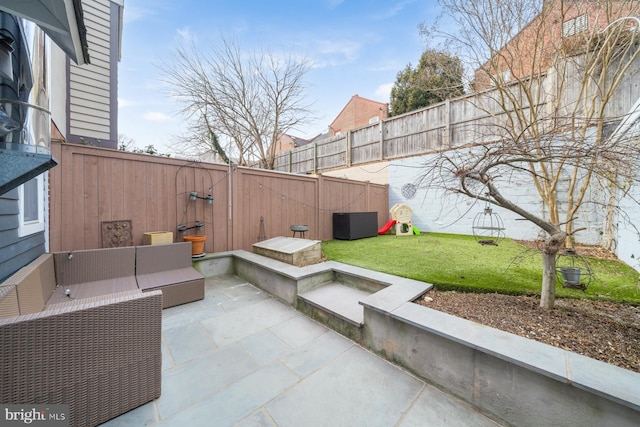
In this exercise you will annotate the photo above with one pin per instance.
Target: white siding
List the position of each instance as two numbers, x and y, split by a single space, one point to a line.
90 95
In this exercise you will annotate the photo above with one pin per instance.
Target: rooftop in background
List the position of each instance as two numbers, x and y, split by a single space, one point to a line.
357 113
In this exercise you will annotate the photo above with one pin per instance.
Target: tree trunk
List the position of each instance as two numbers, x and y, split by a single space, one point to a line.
609 230
549 251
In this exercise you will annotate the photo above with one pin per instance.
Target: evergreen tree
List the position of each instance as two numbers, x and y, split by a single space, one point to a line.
437 77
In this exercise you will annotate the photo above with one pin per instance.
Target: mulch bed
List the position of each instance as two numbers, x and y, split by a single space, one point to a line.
605 331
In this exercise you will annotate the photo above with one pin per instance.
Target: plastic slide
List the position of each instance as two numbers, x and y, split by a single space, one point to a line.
416 231
387 226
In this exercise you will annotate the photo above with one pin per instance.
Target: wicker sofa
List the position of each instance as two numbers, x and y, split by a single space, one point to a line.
75 328
95 272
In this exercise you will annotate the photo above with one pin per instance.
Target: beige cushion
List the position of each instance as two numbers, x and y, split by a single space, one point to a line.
8 301
34 283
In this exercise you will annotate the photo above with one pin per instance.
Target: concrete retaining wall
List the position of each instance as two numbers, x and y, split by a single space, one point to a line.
514 379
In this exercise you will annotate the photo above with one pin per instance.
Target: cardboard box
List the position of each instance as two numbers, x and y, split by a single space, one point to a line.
157 238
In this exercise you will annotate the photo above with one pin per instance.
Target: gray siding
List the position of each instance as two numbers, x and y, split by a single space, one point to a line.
15 252
93 88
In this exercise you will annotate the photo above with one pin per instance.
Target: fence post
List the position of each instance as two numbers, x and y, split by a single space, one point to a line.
319 208
447 123
381 140
367 195
348 153
232 208
315 158
290 160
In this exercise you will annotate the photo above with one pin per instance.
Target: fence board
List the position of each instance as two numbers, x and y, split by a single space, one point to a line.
77 214
91 219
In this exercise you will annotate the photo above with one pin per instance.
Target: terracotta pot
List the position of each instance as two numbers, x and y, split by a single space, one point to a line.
197 244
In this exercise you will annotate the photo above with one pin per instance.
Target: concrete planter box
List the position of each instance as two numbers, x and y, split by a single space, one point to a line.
298 252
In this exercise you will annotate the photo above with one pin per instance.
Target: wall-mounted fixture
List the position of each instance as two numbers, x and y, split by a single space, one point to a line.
182 229
194 196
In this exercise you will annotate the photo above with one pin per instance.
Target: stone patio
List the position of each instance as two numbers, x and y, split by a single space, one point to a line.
242 358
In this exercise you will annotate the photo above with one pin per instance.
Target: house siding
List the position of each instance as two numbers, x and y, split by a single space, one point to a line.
15 251
92 100
531 52
84 107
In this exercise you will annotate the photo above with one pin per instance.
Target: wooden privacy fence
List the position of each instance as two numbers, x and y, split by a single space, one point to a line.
470 119
92 186
451 124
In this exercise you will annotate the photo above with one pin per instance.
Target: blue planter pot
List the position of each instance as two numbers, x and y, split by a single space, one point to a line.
570 275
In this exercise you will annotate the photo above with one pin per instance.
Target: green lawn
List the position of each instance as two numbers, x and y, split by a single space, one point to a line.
458 262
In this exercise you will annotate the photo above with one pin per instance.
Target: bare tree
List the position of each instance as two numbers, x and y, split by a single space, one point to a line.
125 143
551 77
247 98
201 141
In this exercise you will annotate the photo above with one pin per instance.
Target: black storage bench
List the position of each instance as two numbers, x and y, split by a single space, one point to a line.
355 225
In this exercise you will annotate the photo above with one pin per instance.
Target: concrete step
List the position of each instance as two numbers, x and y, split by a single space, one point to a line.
337 306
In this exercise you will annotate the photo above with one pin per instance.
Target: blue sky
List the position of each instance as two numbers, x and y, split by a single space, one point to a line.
357 47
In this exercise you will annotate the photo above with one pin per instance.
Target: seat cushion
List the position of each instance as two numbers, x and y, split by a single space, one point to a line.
92 289
165 278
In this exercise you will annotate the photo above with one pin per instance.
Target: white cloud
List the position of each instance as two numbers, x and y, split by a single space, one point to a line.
134 13
123 103
384 91
334 52
185 34
391 65
156 116
393 11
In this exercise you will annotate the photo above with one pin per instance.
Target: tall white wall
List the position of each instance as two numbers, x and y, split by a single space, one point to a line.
434 210
628 229
373 172
58 87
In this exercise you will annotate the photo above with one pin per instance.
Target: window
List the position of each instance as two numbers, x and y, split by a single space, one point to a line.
32 206
576 25
373 120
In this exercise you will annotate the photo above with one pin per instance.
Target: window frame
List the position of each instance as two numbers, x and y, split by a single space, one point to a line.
27 228
576 25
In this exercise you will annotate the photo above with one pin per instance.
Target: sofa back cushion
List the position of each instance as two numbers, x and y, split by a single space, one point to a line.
8 301
93 265
35 282
157 258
